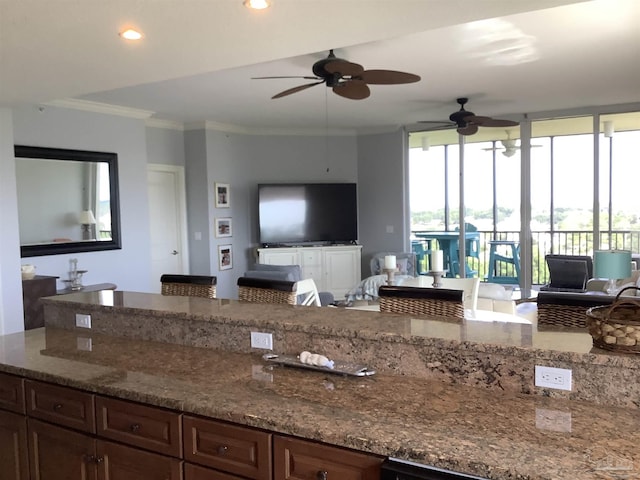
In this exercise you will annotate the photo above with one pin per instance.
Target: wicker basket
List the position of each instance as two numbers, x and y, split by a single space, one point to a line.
616 327
562 315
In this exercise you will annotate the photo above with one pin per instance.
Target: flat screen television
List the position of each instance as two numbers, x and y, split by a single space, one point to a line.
307 213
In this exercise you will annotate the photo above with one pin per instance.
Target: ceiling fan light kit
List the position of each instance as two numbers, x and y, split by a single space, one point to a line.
347 79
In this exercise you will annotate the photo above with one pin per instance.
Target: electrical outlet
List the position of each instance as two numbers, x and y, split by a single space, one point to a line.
262 340
551 377
83 321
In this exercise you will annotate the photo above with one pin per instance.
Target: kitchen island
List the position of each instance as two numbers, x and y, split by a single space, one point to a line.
486 430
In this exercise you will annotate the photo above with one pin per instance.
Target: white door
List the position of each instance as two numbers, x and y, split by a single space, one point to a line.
168 221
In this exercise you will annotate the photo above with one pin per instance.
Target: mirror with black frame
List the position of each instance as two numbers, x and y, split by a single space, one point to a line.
67 200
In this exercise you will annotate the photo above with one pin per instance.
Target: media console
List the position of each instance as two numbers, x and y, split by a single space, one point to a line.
335 269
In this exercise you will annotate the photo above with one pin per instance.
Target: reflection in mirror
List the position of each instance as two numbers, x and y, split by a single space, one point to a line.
67 200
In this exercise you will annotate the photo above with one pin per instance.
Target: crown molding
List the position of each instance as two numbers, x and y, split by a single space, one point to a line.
166 124
97 107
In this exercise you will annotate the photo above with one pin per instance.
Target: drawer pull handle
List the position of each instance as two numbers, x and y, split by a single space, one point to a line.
99 460
57 406
89 459
135 427
322 475
222 449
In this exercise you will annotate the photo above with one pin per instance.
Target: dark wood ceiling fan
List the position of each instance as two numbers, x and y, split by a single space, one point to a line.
347 79
467 123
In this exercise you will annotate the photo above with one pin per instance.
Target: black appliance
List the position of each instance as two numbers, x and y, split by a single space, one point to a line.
395 469
307 213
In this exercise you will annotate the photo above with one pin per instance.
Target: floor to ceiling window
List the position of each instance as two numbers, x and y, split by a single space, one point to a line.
569 178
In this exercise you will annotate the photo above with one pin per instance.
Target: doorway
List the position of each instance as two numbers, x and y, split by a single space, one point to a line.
168 222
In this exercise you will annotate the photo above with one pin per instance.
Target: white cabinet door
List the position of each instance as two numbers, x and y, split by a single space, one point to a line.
342 269
279 256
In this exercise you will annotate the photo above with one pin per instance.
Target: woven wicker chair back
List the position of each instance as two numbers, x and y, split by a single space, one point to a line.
189 285
438 302
262 290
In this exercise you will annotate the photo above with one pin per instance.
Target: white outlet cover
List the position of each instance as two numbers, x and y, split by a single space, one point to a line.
83 321
262 340
551 377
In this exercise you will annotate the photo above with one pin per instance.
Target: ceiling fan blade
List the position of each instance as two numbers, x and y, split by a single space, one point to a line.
494 122
296 89
387 77
352 89
344 68
307 78
468 130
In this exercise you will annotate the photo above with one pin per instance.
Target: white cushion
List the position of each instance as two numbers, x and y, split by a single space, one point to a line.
493 291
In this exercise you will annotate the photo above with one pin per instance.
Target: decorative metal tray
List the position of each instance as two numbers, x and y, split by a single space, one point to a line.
340 367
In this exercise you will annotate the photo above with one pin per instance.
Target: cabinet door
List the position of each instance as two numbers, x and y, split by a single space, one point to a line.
11 393
13 447
119 462
279 256
301 460
342 269
56 453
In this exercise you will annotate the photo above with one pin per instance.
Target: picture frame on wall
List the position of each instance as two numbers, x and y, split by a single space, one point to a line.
222 194
225 257
223 227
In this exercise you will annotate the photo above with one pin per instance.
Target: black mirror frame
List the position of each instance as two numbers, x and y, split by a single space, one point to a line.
22 151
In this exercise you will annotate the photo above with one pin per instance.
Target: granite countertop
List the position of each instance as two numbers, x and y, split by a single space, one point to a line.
466 429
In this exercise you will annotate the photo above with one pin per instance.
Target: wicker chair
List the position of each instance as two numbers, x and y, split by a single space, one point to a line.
264 290
439 302
189 285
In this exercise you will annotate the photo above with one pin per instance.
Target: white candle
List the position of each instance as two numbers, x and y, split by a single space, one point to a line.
390 262
436 261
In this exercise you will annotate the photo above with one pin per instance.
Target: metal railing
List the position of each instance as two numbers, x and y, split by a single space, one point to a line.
569 242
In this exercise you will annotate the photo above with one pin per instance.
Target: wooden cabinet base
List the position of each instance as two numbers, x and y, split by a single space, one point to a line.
14 462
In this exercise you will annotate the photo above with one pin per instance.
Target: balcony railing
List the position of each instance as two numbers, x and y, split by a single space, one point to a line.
569 242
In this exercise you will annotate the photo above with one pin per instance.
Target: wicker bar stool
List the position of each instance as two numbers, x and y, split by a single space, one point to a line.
562 309
264 290
439 302
189 285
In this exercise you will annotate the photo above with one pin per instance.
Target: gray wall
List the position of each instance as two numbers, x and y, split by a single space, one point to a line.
384 214
64 128
209 156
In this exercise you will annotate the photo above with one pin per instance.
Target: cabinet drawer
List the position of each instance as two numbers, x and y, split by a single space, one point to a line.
139 425
11 393
119 462
61 405
237 450
195 472
301 460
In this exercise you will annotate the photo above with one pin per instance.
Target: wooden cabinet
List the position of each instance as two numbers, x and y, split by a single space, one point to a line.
32 290
336 269
13 446
233 449
71 434
296 459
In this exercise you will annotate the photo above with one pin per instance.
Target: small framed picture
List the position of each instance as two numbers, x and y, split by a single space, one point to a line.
225 257
223 227
222 195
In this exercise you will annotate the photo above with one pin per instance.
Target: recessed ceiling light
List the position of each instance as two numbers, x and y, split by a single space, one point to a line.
131 34
257 4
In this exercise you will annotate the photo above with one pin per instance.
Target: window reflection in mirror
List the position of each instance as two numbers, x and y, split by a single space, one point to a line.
67 200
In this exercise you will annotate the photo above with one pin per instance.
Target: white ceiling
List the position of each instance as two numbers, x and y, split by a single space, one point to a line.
198 56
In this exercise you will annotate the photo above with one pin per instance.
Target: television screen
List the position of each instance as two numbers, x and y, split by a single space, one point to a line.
322 213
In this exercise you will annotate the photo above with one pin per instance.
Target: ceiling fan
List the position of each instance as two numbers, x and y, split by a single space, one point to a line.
467 123
509 145
347 79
